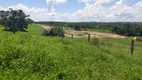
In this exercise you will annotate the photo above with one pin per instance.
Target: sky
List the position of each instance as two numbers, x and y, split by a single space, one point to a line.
78 10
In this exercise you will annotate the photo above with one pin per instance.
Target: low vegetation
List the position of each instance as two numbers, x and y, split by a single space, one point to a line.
54 32
30 56
121 28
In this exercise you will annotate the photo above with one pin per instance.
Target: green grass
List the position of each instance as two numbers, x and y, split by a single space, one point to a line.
30 56
99 30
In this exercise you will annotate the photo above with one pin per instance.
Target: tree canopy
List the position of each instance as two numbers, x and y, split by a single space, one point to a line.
14 20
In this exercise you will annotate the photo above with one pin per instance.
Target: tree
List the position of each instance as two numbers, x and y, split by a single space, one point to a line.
77 28
14 20
30 21
54 32
3 17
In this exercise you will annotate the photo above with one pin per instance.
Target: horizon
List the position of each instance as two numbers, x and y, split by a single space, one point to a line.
87 22
78 10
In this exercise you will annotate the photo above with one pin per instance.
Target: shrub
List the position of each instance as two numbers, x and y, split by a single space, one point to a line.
77 28
54 32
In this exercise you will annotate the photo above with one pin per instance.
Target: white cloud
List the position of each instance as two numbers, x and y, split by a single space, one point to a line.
60 1
103 1
51 3
85 1
124 2
96 1
55 1
91 12
35 13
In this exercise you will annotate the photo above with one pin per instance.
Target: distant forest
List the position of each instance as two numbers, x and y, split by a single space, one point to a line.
121 28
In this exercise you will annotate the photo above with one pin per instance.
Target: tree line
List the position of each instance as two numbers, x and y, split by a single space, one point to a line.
14 20
121 28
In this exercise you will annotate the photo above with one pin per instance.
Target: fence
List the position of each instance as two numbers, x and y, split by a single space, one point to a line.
88 36
133 44
132 41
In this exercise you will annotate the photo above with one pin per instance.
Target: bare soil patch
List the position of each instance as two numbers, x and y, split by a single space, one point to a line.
94 33
84 34
45 27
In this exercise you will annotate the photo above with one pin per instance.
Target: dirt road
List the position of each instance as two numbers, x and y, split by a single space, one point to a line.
45 27
94 33
83 34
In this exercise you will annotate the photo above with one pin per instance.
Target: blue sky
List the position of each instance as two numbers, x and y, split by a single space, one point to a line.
29 3
69 6
78 10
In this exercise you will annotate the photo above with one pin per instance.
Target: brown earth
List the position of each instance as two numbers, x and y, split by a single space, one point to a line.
84 34
45 27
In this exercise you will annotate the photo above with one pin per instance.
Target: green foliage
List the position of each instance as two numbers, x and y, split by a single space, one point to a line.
54 32
77 28
99 30
128 30
121 28
30 56
30 21
14 20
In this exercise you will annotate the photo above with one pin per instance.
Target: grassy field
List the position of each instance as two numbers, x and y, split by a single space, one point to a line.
30 56
99 30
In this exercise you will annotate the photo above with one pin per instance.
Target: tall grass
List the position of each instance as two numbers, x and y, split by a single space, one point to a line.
30 56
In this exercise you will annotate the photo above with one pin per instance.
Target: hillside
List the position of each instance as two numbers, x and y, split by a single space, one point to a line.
30 56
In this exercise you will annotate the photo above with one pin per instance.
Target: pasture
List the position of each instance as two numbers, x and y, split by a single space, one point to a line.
30 56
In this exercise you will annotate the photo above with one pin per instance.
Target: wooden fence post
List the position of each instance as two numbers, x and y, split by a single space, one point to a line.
132 47
88 37
71 36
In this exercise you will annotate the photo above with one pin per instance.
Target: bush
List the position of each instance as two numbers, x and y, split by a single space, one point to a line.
54 32
77 28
